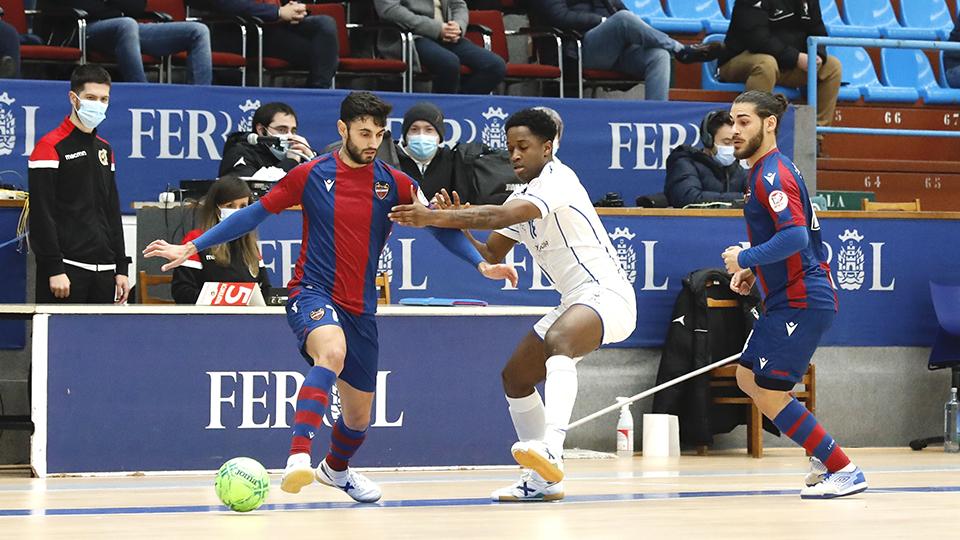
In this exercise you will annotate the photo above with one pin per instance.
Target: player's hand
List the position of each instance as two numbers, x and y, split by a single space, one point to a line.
176 254
730 259
742 282
411 215
293 12
60 286
448 201
497 272
122 290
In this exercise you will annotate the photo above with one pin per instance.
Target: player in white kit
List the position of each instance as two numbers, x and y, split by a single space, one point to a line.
554 218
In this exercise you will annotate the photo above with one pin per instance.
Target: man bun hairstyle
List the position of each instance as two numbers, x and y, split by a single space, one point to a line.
767 104
537 121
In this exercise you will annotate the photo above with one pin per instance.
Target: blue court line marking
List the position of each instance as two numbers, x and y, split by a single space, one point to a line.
429 503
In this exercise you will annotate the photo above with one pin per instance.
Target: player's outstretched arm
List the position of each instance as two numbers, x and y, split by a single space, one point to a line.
235 226
486 217
495 248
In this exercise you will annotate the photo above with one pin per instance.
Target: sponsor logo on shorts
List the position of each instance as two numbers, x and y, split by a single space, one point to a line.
763 363
317 314
791 326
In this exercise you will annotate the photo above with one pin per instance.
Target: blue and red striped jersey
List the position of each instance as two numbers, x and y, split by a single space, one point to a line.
345 224
777 199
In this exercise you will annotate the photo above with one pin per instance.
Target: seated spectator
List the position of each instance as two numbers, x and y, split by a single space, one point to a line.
766 45
268 160
112 29
236 261
615 38
710 174
9 51
951 59
307 42
441 46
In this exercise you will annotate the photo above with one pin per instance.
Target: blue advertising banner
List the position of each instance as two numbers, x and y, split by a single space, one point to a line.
881 266
188 392
162 134
13 272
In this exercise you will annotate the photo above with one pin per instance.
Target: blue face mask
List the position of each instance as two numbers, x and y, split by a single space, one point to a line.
91 113
724 155
422 147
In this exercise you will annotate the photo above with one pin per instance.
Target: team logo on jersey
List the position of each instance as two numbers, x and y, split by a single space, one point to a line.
850 272
381 189
328 183
770 177
317 314
493 134
625 253
385 263
8 125
102 154
778 201
246 119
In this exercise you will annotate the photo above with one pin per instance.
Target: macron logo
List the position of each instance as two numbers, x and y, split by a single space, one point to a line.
763 363
770 178
328 182
680 320
240 162
791 326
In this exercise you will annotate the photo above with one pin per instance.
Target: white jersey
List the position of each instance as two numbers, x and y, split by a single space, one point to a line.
568 241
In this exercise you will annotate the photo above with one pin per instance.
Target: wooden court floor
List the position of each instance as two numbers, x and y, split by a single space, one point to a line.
911 495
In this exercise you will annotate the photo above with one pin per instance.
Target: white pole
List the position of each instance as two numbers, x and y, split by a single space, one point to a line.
654 390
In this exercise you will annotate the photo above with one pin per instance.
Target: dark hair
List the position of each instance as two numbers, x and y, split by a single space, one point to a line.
538 122
767 104
88 73
711 123
360 104
264 115
556 119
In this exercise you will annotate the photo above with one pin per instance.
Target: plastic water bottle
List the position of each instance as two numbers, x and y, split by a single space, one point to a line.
625 430
951 426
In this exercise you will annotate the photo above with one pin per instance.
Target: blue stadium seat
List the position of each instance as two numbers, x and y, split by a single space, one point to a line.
652 13
910 68
860 79
729 8
933 14
706 11
880 13
837 28
709 79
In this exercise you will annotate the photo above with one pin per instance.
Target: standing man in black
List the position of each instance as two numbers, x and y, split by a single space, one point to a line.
75 229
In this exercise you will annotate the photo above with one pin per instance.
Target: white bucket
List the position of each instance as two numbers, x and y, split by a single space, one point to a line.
661 435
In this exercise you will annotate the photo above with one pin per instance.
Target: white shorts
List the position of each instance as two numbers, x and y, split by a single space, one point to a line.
617 311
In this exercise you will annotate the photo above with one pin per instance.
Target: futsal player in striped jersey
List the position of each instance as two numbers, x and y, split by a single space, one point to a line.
345 198
787 257
553 217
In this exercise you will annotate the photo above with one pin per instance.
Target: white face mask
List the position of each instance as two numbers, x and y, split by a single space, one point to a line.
225 212
745 164
724 155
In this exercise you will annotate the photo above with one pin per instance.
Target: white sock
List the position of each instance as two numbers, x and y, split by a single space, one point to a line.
528 416
849 468
561 393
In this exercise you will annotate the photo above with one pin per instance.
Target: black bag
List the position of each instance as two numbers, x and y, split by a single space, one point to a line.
483 175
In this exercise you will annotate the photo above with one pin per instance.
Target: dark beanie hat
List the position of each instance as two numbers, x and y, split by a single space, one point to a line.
427 112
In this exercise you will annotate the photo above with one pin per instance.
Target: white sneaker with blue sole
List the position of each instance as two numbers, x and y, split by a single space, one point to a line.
530 488
837 484
357 486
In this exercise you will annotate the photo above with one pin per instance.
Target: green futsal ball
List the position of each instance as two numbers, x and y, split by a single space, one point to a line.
242 484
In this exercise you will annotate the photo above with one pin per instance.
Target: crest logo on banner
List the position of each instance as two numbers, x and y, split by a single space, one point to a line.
8 125
493 134
625 252
246 120
385 264
850 272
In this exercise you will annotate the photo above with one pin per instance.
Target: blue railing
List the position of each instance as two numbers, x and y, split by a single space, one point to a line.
814 41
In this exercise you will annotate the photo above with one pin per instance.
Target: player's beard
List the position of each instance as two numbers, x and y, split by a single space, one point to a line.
356 154
751 147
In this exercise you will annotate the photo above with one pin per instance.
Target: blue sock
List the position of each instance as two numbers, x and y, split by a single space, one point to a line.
312 401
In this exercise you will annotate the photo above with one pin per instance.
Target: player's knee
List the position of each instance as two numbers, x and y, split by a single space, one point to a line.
356 420
515 383
330 357
559 341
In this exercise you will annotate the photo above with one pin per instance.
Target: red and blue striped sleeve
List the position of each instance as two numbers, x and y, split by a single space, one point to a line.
783 198
289 190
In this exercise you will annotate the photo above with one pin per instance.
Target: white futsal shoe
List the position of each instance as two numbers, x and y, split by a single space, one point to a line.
298 474
530 488
816 473
837 484
357 486
536 455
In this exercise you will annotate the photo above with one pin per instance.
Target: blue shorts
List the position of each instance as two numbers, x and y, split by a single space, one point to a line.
312 309
782 344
